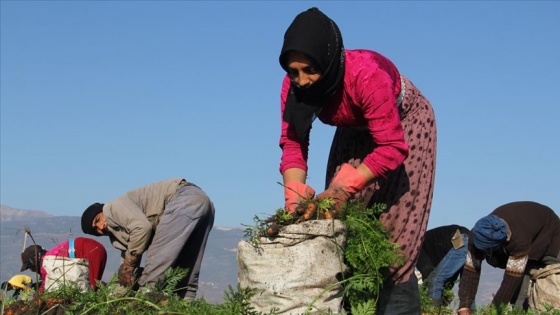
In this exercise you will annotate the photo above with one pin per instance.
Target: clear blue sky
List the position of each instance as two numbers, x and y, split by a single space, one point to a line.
99 97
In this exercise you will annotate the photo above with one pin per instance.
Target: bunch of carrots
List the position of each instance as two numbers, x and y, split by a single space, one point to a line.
37 306
310 209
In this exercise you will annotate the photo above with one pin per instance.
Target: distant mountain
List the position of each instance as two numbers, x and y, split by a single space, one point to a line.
219 266
11 214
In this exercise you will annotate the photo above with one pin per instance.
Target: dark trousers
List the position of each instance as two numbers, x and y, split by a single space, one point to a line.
400 299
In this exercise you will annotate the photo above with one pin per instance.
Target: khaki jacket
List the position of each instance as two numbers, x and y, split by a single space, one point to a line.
132 218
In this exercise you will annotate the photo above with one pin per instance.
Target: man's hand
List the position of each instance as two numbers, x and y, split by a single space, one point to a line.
125 272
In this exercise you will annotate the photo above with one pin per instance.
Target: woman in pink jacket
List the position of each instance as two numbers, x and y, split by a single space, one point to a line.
384 148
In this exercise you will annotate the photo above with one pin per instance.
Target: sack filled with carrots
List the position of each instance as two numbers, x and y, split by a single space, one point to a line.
361 255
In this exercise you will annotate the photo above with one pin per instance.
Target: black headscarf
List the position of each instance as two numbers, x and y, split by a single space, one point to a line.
318 37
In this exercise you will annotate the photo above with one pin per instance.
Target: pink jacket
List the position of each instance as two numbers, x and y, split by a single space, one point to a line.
367 100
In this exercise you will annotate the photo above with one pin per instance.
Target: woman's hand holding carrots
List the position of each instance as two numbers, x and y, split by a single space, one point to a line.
294 193
345 183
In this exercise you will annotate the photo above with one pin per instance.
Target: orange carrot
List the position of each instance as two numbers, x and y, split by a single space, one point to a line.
309 212
273 229
302 207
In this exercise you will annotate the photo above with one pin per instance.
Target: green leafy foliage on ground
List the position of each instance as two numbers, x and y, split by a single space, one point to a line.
448 307
112 299
236 302
492 310
368 255
426 302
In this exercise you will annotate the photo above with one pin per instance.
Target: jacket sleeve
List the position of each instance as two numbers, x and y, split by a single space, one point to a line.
512 280
124 215
380 109
294 151
469 279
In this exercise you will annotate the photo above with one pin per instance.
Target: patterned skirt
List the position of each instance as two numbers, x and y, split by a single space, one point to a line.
408 190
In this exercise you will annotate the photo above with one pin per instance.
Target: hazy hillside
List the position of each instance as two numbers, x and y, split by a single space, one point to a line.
219 267
11 214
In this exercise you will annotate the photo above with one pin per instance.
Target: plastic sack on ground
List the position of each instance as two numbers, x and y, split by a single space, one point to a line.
545 287
298 270
63 271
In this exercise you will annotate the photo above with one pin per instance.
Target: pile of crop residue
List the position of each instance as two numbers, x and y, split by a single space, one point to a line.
50 306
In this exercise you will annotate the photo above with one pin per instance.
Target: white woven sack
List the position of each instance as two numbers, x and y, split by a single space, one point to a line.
296 271
545 288
64 271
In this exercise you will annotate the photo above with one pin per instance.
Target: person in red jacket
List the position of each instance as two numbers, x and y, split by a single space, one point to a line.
384 147
93 251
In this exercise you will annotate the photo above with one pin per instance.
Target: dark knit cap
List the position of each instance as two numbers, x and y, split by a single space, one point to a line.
489 233
88 216
31 257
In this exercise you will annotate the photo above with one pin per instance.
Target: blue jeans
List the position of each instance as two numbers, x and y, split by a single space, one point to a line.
447 269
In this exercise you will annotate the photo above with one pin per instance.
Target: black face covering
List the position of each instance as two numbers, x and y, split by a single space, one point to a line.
317 37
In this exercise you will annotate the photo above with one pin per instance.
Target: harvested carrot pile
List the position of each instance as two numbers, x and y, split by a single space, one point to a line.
311 209
50 306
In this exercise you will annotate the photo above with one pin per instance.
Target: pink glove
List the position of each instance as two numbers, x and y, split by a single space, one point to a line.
345 183
294 193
